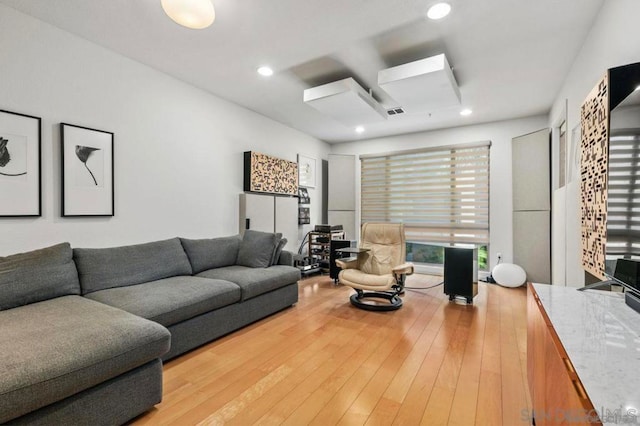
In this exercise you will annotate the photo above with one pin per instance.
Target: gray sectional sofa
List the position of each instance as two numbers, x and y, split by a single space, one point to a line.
83 332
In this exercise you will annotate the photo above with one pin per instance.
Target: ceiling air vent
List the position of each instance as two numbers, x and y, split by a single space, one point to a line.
346 101
421 86
395 111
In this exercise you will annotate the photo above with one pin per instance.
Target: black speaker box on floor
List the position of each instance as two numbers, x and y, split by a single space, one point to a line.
461 273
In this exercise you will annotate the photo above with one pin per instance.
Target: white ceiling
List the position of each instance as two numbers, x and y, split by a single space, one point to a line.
509 57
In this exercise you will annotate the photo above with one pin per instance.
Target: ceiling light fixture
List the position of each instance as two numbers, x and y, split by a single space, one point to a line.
265 71
466 112
438 11
421 86
359 129
194 14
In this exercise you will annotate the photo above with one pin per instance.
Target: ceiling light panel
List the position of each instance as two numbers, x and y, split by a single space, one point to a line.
346 101
421 86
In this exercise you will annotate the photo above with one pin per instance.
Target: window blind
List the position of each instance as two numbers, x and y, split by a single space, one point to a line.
623 198
440 194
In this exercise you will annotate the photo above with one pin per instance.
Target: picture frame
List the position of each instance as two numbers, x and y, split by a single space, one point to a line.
20 165
303 196
306 171
304 216
269 175
87 171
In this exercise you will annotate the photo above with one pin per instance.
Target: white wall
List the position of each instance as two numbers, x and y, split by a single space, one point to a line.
612 41
178 149
500 134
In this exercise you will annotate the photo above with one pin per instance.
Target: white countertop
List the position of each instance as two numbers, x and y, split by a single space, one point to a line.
601 335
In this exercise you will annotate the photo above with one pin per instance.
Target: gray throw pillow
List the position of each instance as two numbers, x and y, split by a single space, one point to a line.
256 249
278 251
37 275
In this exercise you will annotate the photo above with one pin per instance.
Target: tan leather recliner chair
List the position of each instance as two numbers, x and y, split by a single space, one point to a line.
378 273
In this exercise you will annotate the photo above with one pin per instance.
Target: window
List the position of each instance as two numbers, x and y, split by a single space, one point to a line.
441 195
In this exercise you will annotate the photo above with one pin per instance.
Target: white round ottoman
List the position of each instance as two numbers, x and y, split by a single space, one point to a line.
509 275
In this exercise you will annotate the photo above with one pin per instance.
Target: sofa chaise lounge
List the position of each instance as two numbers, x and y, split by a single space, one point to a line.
83 332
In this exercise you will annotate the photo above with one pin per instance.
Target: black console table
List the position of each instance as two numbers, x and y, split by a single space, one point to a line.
344 254
335 252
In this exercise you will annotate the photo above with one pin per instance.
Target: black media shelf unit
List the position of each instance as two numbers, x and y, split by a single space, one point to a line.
319 247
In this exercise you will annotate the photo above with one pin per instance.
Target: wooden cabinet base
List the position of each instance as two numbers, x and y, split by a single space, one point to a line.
557 395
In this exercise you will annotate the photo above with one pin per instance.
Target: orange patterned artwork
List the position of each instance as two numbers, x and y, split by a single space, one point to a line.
271 175
593 171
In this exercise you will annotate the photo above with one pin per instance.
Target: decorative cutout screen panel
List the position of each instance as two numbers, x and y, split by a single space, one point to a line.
594 171
271 175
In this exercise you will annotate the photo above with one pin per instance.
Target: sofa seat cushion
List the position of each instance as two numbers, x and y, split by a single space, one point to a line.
361 280
255 281
59 347
171 300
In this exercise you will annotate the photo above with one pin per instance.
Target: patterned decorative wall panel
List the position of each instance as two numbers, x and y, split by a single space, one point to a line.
593 170
271 175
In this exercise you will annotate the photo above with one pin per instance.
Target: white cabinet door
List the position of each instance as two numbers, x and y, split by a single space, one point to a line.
532 205
342 182
347 219
530 171
287 221
258 211
531 242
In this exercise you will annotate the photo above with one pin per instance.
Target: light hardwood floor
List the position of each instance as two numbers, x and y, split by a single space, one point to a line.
325 362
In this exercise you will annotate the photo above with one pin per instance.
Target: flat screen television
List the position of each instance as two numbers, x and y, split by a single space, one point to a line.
627 274
623 186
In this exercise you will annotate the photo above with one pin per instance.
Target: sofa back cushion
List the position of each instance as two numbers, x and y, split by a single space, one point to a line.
37 275
99 269
211 253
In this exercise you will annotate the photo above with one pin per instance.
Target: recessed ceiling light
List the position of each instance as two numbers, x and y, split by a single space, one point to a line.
466 111
266 71
637 88
359 129
438 11
195 14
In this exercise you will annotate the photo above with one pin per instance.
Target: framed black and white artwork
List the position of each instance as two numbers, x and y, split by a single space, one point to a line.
303 196
306 171
87 171
20 165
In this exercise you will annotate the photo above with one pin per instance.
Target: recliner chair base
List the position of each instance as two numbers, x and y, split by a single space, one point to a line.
357 300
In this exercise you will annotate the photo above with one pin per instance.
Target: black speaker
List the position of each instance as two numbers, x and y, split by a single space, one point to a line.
333 246
461 273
